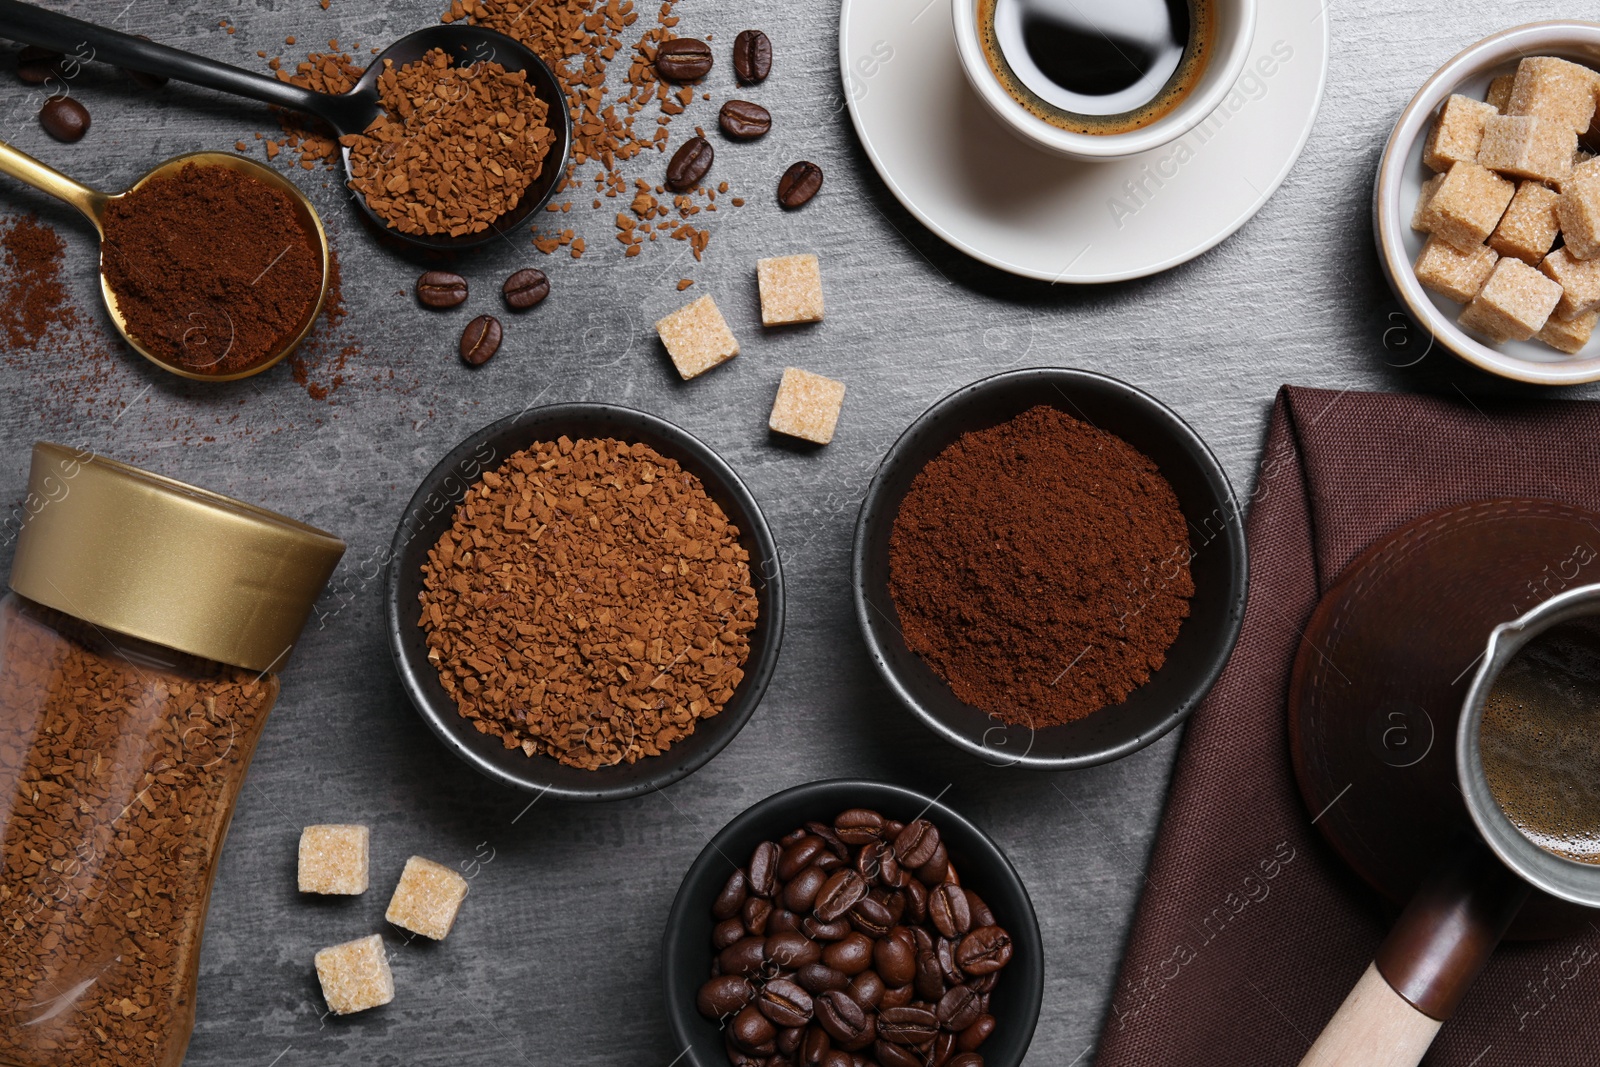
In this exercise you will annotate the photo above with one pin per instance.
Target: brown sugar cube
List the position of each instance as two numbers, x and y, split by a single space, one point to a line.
355 976
1579 280
1467 206
697 338
1514 304
791 289
1578 210
1419 217
333 860
1529 226
1528 147
1456 133
1499 95
1450 272
427 898
807 406
1556 90
1569 335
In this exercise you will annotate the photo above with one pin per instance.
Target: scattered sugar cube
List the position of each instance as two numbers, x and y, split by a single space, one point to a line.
1529 226
807 406
697 338
1419 217
1579 213
1450 272
355 976
333 860
1569 335
1456 133
1526 146
1556 90
1514 304
427 898
1579 280
1467 205
791 290
1499 96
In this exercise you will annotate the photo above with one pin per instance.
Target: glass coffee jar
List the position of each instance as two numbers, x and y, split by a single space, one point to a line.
138 651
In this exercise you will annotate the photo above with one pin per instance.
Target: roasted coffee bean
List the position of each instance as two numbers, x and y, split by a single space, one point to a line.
744 121
984 983
817 978
798 856
892 828
734 891
896 957
944 1046
738 1056
789 1041
868 989
754 1032
859 826
727 932
745 956
796 188
907 1026
752 57
815 1046
525 288
35 65
846 1021
958 1009
892 899
791 950
937 869
683 59
916 901
480 340
945 949
817 930
441 289
947 907
892 1055
916 843
64 118
824 831
791 837
837 1058
723 996
801 892
843 890
762 873
897 996
689 164
852 955
929 982
828 862
871 917
965 1059
756 914
981 915
783 921
976 1034
878 865
785 1003
984 951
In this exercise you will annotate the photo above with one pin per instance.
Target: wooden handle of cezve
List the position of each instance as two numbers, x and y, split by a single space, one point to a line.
1425 966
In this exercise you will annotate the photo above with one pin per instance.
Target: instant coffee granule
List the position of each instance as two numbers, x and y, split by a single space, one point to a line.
97 864
213 270
589 602
1041 568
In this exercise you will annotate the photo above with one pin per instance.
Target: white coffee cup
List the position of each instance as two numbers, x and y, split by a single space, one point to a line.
1234 34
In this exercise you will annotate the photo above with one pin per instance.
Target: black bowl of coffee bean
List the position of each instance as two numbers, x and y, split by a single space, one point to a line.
851 923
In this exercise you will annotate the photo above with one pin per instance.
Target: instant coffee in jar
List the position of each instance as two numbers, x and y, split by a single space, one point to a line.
138 655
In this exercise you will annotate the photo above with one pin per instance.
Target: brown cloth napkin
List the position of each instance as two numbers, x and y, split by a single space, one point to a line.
1251 931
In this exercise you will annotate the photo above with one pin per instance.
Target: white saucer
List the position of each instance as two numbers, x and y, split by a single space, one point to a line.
1014 207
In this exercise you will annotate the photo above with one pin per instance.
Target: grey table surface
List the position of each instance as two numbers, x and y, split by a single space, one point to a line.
555 956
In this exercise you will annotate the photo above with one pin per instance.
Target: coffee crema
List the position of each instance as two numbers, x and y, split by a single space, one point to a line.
1116 70
1540 741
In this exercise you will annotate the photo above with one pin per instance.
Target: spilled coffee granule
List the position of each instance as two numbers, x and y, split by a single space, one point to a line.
211 268
454 148
590 602
1041 568
33 299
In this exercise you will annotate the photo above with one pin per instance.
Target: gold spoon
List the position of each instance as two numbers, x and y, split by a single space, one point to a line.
92 204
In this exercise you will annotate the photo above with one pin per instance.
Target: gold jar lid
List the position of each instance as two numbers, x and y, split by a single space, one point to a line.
156 559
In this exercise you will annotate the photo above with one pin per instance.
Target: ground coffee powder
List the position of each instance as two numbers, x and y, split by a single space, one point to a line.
211 268
1041 568
589 602
33 298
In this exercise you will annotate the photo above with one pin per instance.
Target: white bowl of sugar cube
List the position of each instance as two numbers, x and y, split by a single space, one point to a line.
1487 204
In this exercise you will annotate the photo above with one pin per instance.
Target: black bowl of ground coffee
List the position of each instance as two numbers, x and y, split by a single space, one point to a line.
584 600
978 864
1050 569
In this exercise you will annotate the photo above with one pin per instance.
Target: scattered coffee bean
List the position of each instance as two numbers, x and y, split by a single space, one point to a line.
143 80
689 164
64 118
526 288
799 184
35 66
441 289
480 340
683 59
744 121
752 57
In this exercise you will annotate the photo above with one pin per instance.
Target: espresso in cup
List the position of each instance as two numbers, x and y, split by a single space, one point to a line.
1540 741
1097 66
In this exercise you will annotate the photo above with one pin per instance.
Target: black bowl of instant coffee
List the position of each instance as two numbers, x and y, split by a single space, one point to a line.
1050 569
584 600
843 916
